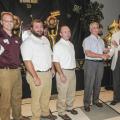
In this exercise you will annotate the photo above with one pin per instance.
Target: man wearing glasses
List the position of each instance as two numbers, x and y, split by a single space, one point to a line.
10 76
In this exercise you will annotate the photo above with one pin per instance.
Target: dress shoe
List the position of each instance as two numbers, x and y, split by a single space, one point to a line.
113 102
72 111
51 117
87 109
98 104
65 117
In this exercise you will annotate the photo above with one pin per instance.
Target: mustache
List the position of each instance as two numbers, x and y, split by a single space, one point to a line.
37 34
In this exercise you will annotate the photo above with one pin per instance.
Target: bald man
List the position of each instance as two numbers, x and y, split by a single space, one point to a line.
64 61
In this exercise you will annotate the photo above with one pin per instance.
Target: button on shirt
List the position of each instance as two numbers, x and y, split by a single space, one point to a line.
64 53
37 50
93 44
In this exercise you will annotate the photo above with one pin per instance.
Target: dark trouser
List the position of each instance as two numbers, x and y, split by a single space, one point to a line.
93 73
116 81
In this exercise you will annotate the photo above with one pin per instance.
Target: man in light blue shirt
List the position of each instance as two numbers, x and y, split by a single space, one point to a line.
94 49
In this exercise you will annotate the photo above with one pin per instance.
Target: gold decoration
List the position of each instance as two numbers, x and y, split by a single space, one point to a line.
52 23
112 28
17 26
55 13
17 22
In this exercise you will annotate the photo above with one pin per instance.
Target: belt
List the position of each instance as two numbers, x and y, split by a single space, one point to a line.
95 60
43 71
118 53
69 69
8 67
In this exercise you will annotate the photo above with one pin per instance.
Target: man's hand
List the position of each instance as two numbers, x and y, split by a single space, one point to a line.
37 81
30 68
63 78
114 43
105 56
53 73
106 50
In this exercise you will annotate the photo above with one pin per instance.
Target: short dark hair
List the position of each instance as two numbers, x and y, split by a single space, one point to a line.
63 25
36 21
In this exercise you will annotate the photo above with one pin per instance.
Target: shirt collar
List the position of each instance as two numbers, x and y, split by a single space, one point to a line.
36 38
95 36
65 41
3 33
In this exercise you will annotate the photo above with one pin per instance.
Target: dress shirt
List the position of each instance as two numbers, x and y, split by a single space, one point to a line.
95 45
64 53
37 50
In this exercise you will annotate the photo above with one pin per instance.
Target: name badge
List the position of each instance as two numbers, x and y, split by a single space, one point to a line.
16 41
6 41
1 49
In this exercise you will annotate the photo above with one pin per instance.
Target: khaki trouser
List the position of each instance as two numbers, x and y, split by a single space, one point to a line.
40 94
66 91
10 93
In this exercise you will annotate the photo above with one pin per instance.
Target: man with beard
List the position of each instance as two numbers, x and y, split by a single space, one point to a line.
37 56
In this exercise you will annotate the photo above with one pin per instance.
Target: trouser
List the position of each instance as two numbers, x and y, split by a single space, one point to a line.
116 81
66 91
10 93
40 94
93 73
